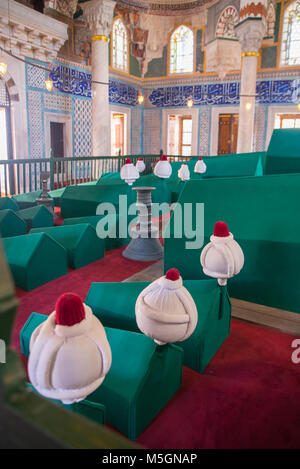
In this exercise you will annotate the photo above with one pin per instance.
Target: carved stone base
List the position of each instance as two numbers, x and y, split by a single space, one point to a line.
222 56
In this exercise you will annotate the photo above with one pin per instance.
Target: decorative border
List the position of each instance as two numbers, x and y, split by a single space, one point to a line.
78 83
255 9
71 81
269 92
164 8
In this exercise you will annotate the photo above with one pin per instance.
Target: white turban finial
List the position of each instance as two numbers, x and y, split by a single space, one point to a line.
223 257
129 173
69 352
184 172
140 165
163 168
200 166
165 310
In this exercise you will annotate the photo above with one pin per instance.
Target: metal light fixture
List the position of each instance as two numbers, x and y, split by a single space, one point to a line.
248 106
141 99
298 106
49 84
190 102
3 68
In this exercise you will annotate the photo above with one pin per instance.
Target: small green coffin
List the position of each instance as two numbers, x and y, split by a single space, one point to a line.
143 377
8 203
27 200
36 217
80 241
11 224
35 259
114 305
113 239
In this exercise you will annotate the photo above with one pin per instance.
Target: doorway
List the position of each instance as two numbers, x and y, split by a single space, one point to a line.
180 129
118 132
228 133
186 135
57 142
57 132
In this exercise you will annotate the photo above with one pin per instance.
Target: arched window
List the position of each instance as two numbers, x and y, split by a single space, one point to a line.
290 45
182 50
120 46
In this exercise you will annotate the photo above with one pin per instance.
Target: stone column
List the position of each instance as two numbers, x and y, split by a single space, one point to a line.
99 16
250 32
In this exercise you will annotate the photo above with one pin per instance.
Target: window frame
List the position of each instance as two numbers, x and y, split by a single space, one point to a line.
181 144
282 38
283 117
126 70
178 74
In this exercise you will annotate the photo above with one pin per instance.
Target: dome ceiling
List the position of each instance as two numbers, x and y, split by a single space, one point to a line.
165 6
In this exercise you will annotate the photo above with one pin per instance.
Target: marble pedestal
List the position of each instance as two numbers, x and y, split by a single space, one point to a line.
145 245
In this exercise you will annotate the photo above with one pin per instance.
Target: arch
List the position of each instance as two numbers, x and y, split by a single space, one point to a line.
226 23
290 35
182 50
119 45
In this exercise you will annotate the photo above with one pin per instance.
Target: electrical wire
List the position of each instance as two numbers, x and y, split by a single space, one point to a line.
47 69
65 75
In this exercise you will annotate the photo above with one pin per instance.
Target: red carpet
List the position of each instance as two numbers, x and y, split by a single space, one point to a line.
112 268
248 396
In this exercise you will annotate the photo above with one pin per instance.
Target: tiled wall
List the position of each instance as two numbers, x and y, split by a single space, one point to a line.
40 101
152 131
136 129
35 124
73 98
82 133
260 128
204 126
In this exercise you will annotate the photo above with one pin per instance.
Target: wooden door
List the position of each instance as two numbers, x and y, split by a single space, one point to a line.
57 139
57 142
228 132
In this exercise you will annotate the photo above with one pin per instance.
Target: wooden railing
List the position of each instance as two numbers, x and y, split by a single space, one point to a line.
19 176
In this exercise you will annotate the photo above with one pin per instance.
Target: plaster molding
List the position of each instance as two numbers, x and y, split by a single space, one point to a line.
28 33
65 119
